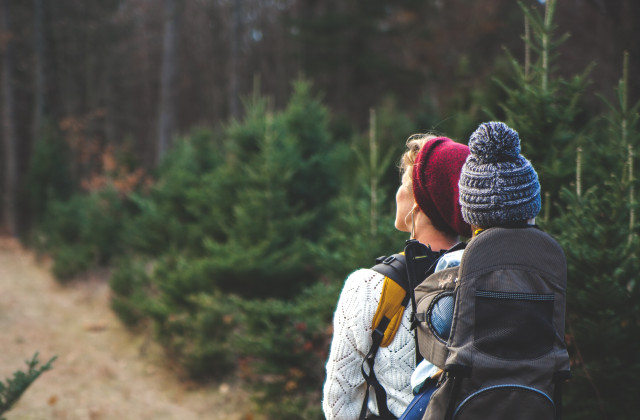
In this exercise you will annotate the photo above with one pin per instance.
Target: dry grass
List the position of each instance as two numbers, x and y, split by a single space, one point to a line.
103 371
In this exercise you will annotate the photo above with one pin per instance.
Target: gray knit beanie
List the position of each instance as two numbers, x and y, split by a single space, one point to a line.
498 186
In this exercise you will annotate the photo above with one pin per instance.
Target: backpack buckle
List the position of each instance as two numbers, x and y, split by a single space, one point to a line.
389 260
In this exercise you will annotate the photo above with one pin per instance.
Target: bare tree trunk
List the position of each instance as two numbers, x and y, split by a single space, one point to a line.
527 49
373 174
166 113
40 87
282 67
9 216
234 65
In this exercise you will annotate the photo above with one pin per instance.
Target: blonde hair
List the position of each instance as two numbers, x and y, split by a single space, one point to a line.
414 145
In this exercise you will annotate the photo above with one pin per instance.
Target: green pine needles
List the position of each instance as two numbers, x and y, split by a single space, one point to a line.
12 390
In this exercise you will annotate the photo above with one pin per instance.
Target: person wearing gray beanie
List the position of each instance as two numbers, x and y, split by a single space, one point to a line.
496 322
498 186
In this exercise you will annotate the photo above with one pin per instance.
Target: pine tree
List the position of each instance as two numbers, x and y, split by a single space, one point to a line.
287 341
237 221
286 172
545 109
598 232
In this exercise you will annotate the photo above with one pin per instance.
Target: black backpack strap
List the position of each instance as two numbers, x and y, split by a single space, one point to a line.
370 377
456 373
419 258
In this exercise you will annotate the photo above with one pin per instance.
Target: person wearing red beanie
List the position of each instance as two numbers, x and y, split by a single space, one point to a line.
428 207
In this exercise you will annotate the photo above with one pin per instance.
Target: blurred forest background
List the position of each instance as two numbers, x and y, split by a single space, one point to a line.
231 162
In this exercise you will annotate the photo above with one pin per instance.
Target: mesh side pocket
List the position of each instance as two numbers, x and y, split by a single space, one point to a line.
514 326
440 315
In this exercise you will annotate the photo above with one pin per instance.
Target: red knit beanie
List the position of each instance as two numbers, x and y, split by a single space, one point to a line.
436 172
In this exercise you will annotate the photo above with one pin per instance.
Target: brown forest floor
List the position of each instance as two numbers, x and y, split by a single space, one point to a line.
103 371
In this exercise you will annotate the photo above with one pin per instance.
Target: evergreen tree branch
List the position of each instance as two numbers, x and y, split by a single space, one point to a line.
11 392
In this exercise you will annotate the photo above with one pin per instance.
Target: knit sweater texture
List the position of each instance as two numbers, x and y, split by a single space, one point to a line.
345 387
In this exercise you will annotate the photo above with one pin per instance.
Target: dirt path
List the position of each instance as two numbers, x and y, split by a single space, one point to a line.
102 372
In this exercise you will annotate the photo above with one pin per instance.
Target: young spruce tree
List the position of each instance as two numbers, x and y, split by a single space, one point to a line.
598 231
544 108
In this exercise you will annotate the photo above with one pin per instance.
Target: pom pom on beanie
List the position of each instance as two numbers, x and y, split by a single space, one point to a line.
498 186
494 142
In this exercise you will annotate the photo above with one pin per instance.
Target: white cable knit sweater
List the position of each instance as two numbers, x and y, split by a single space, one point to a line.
345 387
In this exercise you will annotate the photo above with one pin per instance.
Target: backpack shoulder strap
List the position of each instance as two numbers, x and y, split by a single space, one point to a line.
386 320
394 297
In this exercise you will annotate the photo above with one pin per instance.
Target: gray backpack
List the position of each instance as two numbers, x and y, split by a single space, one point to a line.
505 355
